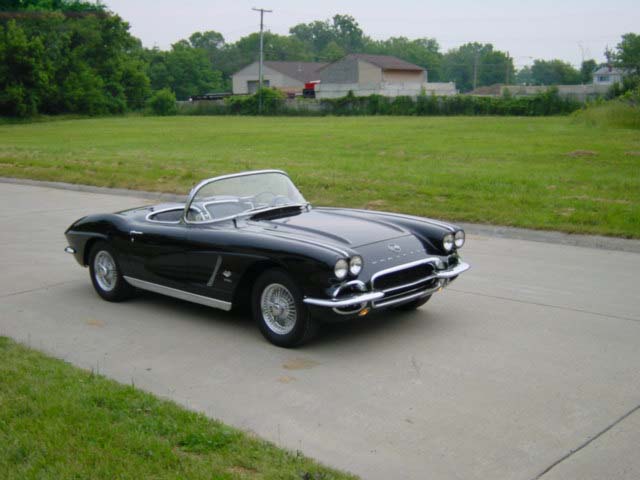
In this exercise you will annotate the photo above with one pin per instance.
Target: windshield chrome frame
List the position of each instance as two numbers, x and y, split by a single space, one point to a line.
203 183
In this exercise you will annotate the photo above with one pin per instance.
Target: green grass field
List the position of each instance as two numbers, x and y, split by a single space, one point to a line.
59 422
547 173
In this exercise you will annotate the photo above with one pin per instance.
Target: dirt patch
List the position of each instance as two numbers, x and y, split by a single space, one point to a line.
633 153
94 322
582 153
598 199
299 363
566 212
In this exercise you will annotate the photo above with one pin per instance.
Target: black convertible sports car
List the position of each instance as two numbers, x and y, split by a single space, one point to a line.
252 239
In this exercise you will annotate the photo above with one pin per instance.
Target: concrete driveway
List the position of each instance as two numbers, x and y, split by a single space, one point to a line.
526 368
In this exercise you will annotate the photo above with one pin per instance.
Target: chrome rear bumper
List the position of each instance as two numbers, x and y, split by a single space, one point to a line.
382 298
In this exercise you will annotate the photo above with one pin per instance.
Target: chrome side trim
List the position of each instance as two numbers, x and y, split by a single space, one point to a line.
181 294
347 302
404 266
70 250
215 271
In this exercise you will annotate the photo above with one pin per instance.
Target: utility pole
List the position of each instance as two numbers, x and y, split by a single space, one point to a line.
475 70
260 78
508 64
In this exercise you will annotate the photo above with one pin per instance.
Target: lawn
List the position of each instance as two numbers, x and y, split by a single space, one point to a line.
546 173
60 422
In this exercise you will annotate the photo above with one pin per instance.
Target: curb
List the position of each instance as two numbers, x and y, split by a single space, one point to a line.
574 240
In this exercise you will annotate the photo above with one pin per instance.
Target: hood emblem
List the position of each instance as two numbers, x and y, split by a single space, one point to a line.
394 247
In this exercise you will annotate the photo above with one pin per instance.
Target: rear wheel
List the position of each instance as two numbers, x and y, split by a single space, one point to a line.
413 304
106 274
278 309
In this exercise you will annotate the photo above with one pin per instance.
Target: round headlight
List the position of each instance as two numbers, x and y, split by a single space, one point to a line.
447 242
459 239
355 265
341 269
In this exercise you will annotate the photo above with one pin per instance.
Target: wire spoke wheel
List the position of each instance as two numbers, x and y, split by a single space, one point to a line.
106 273
278 308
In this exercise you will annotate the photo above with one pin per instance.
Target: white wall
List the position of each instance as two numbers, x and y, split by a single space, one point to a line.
336 90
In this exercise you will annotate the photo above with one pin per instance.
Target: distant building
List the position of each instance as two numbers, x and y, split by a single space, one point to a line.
608 75
289 77
365 74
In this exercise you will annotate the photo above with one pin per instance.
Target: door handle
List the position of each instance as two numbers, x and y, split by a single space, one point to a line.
135 232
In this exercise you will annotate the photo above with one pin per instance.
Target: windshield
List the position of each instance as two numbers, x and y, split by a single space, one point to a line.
234 195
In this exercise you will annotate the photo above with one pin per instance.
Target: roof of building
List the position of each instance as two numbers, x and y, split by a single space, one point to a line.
606 70
386 62
303 71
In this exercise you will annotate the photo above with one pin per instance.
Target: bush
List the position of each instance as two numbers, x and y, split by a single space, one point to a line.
272 103
163 103
622 112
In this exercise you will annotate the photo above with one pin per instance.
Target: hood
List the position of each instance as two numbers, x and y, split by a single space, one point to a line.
334 227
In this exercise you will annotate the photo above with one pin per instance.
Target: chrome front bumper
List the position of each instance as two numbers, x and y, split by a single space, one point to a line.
376 297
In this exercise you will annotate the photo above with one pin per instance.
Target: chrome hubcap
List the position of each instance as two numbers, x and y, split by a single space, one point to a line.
278 308
105 271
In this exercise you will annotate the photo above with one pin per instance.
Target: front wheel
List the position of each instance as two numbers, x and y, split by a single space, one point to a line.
278 309
106 274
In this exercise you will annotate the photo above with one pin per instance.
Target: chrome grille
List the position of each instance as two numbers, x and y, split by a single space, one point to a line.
405 277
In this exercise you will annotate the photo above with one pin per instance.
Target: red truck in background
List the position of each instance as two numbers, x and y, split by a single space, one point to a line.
309 90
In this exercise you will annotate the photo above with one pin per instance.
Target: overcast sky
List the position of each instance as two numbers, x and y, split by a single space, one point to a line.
566 29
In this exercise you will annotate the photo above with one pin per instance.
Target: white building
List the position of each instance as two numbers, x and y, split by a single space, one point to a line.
608 75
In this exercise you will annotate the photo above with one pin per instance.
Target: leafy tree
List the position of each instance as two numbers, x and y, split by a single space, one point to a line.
554 72
424 52
524 76
163 103
586 70
331 52
627 54
341 30
490 66
23 71
184 70
51 6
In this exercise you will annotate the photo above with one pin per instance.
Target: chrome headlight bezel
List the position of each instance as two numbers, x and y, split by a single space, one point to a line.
341 269
448 242
355 265
459 238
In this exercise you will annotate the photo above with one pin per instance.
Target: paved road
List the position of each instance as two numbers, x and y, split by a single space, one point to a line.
533 354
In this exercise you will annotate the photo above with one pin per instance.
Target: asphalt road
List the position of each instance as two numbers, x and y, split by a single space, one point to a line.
527 367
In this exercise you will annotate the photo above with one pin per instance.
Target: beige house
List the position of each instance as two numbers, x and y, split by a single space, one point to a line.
289 77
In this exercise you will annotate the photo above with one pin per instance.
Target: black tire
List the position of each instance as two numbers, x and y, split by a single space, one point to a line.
299 328
413 304
120 290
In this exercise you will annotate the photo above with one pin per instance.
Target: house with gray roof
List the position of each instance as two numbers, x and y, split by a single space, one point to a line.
608 75
289 77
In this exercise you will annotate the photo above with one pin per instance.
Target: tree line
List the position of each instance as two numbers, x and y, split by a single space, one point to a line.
60 56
